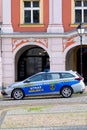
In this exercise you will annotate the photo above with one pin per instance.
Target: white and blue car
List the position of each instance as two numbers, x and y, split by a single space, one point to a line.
64 83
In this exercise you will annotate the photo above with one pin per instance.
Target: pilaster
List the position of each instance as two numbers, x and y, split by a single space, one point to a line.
6 14
0 59
55 16
8 62
57 61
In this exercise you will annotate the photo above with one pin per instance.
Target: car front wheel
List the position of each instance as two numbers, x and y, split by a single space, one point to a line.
66 92
18 94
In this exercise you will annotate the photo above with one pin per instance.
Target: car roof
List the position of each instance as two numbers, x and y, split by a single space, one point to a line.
67 71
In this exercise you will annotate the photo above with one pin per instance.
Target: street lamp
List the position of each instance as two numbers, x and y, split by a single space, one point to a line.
81 31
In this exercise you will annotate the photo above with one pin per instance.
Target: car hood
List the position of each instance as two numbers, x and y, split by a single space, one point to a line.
16 84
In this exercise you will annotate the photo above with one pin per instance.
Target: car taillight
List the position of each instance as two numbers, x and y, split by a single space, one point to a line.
79 78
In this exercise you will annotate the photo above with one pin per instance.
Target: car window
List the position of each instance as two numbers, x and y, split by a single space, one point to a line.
38 77
67 75
51 76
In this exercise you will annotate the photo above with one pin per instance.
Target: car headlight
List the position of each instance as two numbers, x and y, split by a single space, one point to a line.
10 86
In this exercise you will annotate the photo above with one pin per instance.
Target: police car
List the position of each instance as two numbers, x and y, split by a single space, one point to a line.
64 83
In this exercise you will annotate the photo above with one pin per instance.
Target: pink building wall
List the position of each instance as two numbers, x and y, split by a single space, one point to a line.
0 10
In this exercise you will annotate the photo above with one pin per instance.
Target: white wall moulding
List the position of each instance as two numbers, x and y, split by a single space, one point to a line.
39 35
6 14
55 21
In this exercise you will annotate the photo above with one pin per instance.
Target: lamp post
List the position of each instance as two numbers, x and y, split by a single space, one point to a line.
81 31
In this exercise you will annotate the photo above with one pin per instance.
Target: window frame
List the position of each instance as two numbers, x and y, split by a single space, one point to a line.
82 8
22 23
31 9
73 8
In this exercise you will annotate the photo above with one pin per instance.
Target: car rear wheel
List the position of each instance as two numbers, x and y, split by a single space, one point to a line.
18 94
66 92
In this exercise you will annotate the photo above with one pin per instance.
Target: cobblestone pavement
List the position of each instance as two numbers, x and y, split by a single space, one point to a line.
64 116
44 114
57 117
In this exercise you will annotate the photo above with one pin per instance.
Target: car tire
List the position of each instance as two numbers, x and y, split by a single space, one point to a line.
18 94
66 92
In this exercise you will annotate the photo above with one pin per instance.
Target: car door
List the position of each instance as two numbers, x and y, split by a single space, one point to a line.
35 85
52 84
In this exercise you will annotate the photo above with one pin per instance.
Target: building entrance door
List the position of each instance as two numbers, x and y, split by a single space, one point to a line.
84 62
73 60
32 61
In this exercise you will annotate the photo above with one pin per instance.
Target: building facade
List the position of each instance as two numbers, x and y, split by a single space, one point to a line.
40 34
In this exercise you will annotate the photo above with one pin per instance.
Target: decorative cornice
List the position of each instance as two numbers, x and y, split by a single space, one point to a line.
40 35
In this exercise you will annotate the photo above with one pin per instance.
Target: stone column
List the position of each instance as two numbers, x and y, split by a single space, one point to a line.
0 60
6 14
7 62
55 17
57 59
0 10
